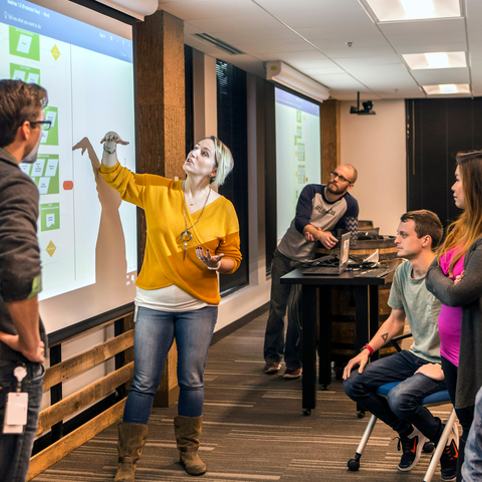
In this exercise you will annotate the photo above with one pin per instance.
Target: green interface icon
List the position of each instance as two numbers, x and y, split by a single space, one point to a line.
44 173
51 137
24 43
49 216
25 73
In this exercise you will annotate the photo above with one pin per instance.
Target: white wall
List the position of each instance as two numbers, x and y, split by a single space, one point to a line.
375 145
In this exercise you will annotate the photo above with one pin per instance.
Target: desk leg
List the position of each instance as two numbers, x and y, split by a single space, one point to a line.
361 317
374 324
324 346
309 348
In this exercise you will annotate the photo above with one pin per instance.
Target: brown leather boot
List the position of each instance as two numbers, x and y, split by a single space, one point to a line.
188 430
132 437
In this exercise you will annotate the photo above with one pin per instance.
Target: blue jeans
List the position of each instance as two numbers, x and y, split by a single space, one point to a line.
153 336
472 468
282 296
402 408
16 449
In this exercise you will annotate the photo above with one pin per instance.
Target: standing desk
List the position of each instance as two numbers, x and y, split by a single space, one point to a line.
366 321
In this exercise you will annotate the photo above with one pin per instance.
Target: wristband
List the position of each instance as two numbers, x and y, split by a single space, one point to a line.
106 149
215 268
369 348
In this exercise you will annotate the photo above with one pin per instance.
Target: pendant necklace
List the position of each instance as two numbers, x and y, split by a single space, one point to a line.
186 235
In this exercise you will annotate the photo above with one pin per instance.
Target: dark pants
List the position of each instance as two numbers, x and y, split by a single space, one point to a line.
402 408
465 415
282 296
16 449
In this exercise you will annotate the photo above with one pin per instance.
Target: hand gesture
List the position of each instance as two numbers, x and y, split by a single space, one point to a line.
110 141
207 259
34 354
361 359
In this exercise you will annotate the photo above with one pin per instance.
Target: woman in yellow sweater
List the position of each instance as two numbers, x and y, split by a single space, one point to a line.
192 234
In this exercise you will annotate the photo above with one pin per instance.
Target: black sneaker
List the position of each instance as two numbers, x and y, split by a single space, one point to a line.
412 447
448 459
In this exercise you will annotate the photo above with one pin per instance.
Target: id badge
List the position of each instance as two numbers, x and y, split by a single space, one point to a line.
16 412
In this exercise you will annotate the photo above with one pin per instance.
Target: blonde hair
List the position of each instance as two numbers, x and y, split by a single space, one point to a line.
224 161
468 228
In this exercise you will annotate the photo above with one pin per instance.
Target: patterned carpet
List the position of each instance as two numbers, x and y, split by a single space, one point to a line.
253 430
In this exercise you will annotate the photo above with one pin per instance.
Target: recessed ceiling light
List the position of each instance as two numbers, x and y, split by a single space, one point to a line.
444 89
396 10
436 60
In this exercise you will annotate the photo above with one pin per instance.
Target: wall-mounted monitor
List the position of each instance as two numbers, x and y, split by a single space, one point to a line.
88 237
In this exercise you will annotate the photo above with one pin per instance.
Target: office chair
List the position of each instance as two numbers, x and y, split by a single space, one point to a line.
438 398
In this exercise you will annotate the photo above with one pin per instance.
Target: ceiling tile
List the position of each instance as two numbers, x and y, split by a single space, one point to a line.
258 36
442 76
423 27
211 9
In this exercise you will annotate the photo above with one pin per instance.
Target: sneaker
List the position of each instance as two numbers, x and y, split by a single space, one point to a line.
412 447
272 367
292 373
448 459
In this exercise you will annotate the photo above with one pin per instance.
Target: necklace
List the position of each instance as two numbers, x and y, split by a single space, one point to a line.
186 235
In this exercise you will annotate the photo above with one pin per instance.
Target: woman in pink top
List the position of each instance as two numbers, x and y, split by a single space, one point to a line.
455 278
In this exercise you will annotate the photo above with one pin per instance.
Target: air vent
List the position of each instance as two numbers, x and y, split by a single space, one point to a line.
218 43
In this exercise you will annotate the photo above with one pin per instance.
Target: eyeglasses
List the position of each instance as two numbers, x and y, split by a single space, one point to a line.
44 125
341 178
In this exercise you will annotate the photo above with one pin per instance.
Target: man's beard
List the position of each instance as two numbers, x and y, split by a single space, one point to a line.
336 191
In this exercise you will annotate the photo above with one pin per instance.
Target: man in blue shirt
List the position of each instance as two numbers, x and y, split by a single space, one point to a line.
320 211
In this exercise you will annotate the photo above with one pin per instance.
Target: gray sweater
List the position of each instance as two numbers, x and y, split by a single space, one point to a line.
19 249
467 294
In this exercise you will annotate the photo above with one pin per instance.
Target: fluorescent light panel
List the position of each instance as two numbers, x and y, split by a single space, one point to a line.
447 89
435 60
399 10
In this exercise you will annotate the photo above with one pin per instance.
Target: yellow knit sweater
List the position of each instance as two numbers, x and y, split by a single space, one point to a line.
163 202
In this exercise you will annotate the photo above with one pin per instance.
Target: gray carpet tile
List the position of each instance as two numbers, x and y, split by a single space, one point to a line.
254 431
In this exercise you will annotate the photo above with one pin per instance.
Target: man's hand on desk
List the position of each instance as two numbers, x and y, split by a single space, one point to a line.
327 239
361 359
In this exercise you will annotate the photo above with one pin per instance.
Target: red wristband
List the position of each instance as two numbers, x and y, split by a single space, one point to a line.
369 348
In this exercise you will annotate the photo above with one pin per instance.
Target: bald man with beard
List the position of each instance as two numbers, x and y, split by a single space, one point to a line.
320 212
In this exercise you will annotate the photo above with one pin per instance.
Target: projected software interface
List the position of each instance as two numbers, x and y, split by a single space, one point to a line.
298 153
88 73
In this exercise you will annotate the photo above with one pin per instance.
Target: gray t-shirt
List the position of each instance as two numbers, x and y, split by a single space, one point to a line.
422 310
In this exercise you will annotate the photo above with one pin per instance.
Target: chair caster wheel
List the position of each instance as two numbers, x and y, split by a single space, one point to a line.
324 386
307 412
360 414
353 465
428 447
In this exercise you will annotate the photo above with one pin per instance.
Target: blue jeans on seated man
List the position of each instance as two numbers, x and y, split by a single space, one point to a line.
402 407
16 449
153 337
282 296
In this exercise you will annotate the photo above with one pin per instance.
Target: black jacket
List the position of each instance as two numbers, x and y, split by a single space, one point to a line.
20 276
467 294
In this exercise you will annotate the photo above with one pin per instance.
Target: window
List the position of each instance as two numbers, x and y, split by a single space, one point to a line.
233 131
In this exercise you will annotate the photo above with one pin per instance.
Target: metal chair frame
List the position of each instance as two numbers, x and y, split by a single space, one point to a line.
354 464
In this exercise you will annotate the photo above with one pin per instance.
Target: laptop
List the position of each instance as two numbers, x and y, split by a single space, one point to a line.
342 261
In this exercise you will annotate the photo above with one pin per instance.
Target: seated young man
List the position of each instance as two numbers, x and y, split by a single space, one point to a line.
418 369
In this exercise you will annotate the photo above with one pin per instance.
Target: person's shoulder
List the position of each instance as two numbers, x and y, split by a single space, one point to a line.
403 270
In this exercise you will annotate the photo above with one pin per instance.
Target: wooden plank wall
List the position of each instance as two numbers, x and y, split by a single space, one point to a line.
75 403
